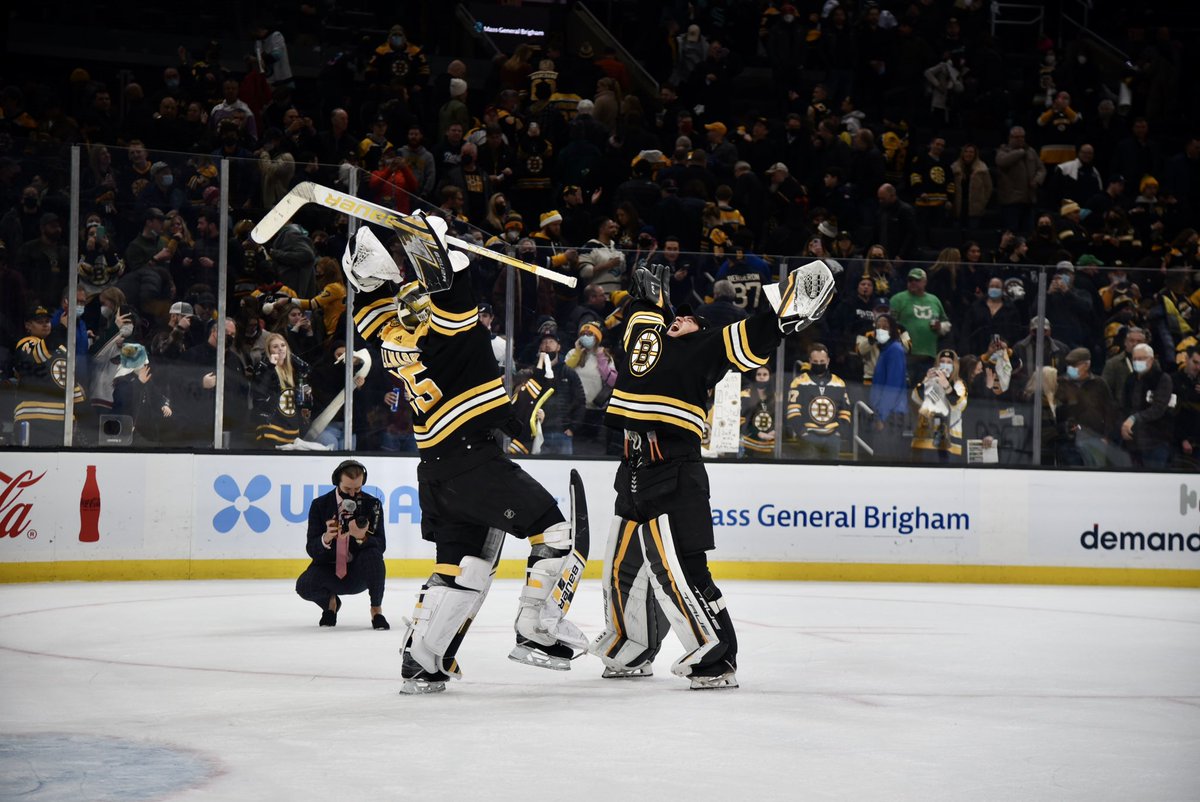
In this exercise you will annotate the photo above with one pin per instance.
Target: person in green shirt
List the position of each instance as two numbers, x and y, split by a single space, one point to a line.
924 318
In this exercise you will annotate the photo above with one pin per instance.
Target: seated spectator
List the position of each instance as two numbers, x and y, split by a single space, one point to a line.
281 400
758 415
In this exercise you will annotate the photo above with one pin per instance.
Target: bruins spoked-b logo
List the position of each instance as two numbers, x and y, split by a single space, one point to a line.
287 402
534 165
763 420
643 356
822 410
58 371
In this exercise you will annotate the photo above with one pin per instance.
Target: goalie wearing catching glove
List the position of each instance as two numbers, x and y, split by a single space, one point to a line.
655 568
470 492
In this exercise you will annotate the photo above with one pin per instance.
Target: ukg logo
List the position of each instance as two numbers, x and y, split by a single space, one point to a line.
241 503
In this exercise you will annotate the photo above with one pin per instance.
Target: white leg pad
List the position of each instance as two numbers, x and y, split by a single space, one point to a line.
691 617
550 586
442 612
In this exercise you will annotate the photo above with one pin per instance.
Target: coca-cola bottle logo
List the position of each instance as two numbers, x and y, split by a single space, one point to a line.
14 513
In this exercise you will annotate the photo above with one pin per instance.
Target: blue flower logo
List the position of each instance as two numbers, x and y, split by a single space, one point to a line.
241 503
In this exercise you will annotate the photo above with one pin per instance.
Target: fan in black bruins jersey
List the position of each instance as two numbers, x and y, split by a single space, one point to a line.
470 492
655 569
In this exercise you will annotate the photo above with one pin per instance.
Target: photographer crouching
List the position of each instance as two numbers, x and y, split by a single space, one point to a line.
346 542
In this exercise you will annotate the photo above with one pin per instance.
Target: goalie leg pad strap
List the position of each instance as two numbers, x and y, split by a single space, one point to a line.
634 622
444 612
690 613
554 572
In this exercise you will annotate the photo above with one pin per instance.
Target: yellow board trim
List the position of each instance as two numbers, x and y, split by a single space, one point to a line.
137 570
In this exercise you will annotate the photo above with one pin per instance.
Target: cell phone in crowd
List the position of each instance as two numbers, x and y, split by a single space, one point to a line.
396 403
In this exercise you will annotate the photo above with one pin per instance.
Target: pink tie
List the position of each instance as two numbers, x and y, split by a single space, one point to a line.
343 554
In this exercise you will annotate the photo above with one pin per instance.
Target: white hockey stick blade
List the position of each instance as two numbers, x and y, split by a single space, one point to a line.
302 194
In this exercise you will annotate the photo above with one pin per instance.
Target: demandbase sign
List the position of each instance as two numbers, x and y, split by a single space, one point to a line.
1132 520
255 507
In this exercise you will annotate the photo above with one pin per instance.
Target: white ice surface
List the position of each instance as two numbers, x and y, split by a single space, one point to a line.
849 692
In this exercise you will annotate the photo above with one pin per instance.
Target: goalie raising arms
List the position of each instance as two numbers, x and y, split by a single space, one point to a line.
655 567
470 492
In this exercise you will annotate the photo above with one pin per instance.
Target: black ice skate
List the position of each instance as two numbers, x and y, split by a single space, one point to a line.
718 676
557 657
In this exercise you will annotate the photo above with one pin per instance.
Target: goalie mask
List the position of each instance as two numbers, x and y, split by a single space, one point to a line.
412 305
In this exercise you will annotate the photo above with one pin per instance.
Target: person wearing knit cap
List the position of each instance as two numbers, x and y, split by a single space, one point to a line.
1070 228
597 373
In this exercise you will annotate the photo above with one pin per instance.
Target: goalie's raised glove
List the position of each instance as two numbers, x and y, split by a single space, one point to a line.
651 284
802 297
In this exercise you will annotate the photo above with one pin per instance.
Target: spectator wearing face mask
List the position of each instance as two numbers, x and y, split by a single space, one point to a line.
888 385
1149 397
818 408
941 398
1119 367
1090 416
992 316
758 415
594 365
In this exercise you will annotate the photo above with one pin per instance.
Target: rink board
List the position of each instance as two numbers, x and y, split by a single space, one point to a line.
174 516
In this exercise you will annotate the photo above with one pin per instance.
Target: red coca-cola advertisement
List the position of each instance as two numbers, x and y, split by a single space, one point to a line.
14 511
89 508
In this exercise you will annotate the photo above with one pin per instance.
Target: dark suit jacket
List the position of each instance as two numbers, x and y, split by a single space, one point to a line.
325 507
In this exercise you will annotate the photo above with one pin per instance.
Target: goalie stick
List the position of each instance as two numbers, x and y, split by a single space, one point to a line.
307 192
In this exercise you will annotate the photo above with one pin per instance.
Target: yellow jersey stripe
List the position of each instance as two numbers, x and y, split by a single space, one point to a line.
655 417
652 319
453 317
650 398
665 561
452 424
448 406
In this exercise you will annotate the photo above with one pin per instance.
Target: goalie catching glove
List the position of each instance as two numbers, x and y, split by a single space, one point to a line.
802 297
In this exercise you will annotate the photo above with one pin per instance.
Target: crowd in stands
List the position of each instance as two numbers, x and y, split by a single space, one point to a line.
892 140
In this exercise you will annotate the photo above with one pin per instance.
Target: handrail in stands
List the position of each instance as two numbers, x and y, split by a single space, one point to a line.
858 441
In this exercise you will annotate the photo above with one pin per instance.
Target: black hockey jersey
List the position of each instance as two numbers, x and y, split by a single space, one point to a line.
817 405
43 381
663 382
447 368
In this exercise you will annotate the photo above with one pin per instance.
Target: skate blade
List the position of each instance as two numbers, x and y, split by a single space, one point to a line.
720 682
628 673
415 687
533 657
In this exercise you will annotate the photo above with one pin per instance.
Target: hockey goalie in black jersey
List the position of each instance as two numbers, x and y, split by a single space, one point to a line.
655 568
470 492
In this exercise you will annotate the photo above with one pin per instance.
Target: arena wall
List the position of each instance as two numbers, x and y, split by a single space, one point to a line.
173 516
